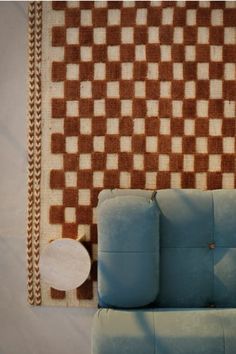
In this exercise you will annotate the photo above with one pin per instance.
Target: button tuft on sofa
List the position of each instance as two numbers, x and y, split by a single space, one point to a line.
211 245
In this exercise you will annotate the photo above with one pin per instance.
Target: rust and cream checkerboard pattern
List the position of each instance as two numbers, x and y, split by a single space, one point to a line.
135 95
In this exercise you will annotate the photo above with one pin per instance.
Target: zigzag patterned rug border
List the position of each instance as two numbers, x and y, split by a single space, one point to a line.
34 150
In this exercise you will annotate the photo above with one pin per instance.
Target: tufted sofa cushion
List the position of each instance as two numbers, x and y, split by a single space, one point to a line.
197 247
198 240
128 251
186 222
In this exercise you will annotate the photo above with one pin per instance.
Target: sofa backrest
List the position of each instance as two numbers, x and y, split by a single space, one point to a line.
197 231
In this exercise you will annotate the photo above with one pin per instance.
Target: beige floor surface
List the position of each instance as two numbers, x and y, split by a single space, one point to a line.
24 329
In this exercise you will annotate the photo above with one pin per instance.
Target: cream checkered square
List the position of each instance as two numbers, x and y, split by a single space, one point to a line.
86 18
70 215
113 53
140 53
150 178
127 35
126 107
99 107
216 53
98 177
175 179
112 161
167 16
189 127
215 127
228 145
113 17
71 179
215 89
138 162
72 144
152 72
190 53
84 196
177 107
202 108
176 145
113 89
72 108
72 36
189 163
72 71
164 126
125 144
125 180
141 17
84 161
178 35
85 126
203 71
230 35
217 17
98 143
191 17
190 89
201 180
85 89
139 89
165 52
112 126
99 71
139 126
230 71
214 162
153 35
152 108
163 162
165 89
201 145
127 71
151 143
72 4
86 53
99 35
203 35
228 180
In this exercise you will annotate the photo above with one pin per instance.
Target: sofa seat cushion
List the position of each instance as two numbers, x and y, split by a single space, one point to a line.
128 251
186 220
164 331
197 231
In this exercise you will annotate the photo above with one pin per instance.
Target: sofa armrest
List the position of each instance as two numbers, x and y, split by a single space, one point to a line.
128 251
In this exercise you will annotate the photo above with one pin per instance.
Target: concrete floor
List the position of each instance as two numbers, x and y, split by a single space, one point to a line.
24 329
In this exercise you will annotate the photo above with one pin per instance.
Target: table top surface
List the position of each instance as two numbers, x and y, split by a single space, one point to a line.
64 264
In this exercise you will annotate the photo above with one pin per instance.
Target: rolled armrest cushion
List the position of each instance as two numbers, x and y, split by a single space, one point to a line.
128 251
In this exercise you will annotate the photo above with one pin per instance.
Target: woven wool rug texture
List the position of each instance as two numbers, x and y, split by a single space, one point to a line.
123 95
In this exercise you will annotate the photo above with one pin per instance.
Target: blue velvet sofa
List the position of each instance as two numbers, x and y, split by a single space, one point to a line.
166 272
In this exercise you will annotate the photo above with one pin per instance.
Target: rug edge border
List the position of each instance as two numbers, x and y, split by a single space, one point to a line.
34 150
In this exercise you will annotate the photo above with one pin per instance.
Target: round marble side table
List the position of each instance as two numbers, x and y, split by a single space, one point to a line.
64 264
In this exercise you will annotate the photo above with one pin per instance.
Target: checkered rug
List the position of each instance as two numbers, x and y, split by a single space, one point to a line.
126 95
